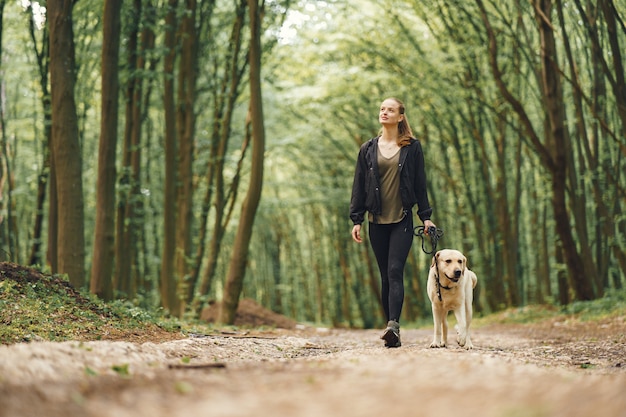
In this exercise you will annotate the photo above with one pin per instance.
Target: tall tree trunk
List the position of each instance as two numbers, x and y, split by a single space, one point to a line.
553 152
43 179
239 258
506 218
9 236
104 235
5 192
215 193
587 152
611 16
41 54
169 298
66 152
558 147
130 275
186 123
124 248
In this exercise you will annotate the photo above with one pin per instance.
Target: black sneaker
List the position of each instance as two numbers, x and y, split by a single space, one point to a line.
391 336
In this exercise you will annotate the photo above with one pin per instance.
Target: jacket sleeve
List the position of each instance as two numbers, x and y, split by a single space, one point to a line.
357 201
424 211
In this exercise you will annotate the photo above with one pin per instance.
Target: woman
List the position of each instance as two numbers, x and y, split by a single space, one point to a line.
389 180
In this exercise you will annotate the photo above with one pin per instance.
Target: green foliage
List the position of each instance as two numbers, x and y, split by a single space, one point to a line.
183 387
90 372
613 304
35 306
121 370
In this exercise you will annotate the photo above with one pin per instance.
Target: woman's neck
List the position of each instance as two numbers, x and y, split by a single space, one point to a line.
389 133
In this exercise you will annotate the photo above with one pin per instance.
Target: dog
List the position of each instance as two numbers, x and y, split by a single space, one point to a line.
451 288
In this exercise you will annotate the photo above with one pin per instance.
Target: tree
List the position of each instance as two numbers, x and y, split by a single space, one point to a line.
44 176
8 235
239 257
131 273
169 299
556 150
125 243
216 194
104 236
66 151
186 125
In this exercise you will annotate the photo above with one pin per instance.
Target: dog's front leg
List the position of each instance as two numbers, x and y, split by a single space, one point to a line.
461 320
468 321
444 327
439 325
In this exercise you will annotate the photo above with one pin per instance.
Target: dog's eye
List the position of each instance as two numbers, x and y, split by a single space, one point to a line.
448 261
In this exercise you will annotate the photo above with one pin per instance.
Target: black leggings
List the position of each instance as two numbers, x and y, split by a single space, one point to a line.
391 244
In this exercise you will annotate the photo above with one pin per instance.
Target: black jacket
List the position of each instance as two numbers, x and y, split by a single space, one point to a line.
366 186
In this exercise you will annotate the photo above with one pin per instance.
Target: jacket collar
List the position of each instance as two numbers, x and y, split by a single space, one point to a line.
404 151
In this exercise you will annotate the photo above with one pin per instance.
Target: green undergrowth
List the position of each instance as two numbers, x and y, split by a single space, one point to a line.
36 306
613 304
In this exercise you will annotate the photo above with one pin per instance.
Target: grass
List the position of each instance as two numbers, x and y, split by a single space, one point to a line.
36 306
613 304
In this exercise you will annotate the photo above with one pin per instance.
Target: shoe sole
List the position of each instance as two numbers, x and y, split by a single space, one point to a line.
391 339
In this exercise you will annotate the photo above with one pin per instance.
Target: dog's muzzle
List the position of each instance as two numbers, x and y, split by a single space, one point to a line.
457 276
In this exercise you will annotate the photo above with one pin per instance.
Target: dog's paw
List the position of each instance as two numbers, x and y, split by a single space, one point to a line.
435 345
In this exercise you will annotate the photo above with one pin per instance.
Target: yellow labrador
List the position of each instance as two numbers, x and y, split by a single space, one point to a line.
450 288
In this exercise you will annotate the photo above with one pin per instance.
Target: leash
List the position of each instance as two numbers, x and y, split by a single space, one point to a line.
433 232
439 286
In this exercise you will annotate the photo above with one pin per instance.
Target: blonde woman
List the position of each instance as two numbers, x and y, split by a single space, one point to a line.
389 180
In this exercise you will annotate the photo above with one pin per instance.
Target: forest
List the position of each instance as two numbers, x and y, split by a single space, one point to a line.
174 153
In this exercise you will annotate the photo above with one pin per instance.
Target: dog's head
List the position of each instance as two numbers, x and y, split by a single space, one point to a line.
451 263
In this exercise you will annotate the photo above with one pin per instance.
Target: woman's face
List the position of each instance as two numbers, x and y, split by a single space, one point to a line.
390 113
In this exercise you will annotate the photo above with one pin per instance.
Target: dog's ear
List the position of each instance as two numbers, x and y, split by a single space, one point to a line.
464 264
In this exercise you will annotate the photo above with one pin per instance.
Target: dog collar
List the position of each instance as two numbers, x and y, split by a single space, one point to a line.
439 286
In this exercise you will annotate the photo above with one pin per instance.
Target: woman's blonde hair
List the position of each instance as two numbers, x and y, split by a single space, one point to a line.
404 128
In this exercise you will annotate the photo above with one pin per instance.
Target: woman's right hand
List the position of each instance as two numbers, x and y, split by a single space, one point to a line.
356 233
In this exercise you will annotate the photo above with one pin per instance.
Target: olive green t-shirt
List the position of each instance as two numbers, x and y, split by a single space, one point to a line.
392 211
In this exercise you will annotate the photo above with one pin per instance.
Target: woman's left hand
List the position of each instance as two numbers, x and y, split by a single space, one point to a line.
427 225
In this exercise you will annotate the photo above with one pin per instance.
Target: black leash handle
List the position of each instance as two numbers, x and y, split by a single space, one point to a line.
433 232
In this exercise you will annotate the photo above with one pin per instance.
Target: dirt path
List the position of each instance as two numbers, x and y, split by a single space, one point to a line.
549 370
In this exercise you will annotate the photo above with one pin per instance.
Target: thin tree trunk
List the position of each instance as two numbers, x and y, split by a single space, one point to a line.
186 123
169 299
557 139
222 117
553 153
53 226
576 196
66 152
11 239
239 258
104 235
612 19
36 256
7 249
135 210
124 248
619 85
